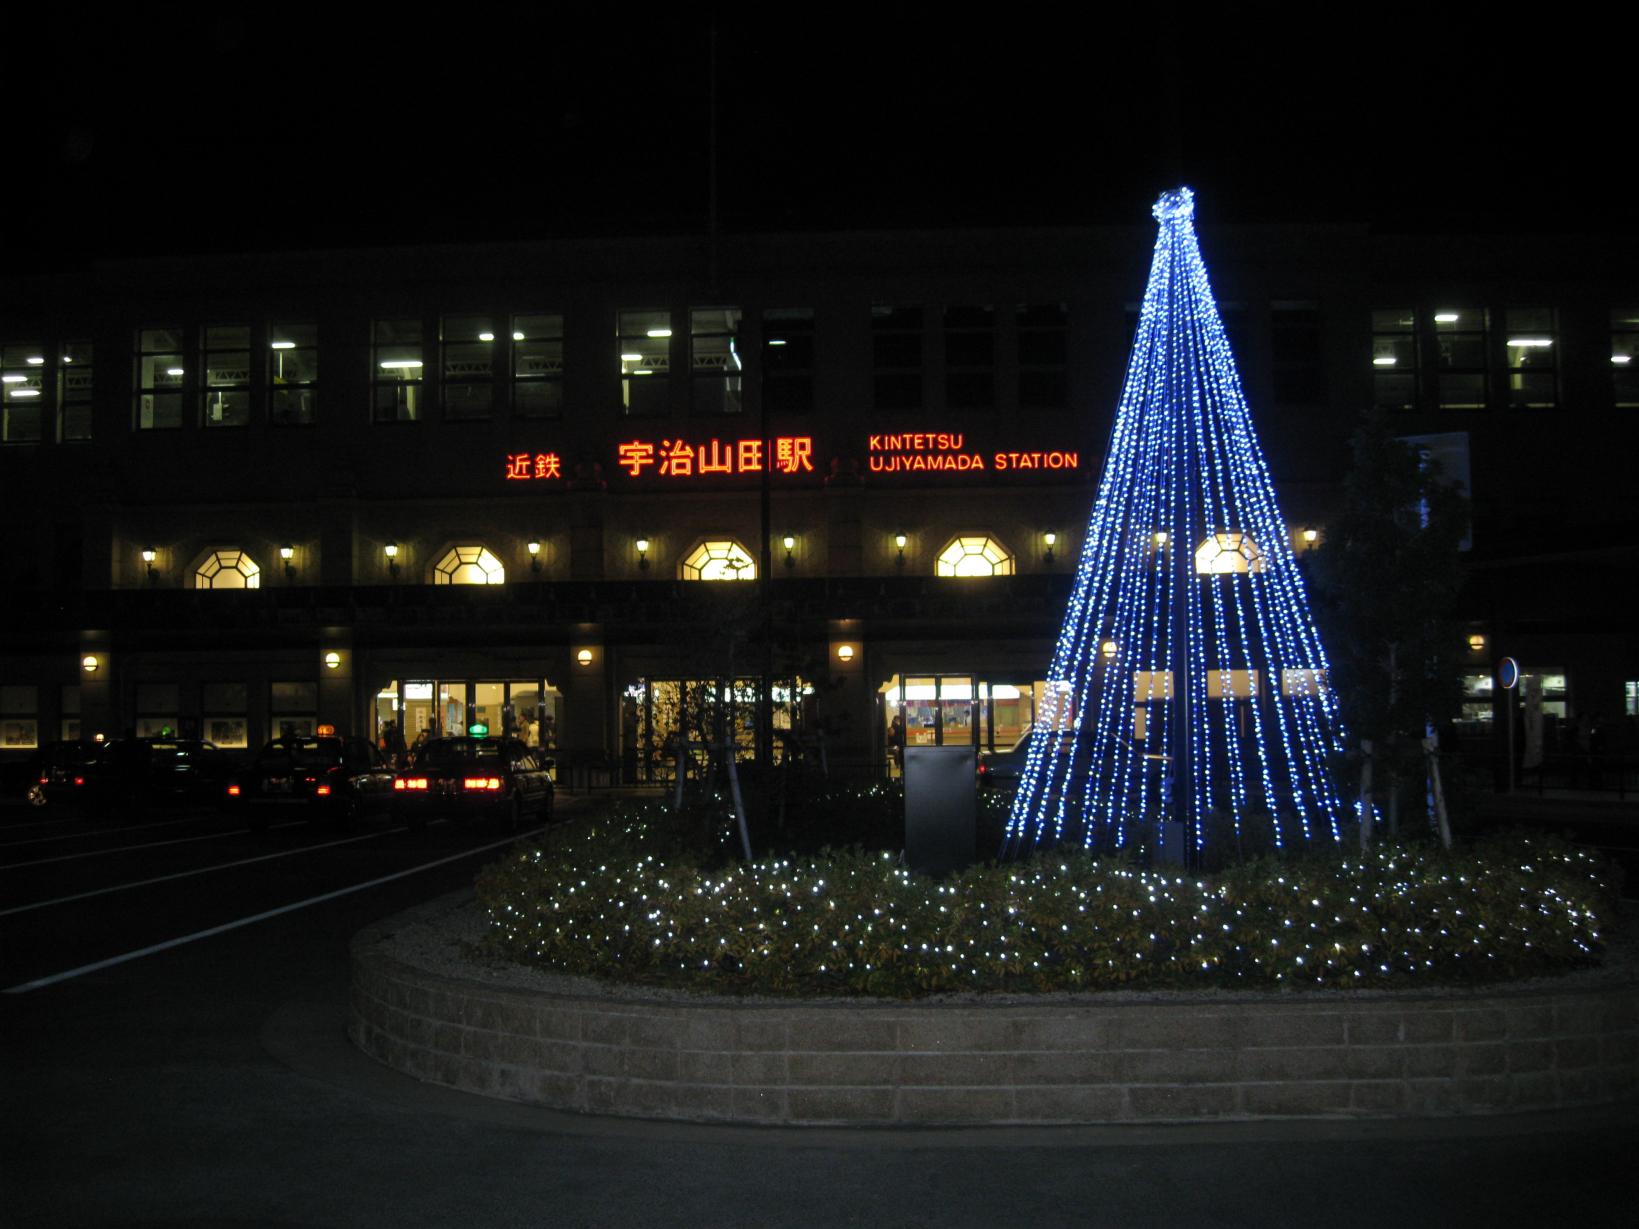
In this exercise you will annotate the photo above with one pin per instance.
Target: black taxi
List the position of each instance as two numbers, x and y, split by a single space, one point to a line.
473 778
329 778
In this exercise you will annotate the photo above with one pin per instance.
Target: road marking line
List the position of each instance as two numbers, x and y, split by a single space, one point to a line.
202 870
74 836
41 982
181 840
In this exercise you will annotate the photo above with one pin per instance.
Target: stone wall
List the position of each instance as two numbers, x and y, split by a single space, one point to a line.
1081 1059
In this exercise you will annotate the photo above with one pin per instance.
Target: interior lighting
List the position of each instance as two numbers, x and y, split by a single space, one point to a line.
89 663
1621 359
517 336
1530 342
642 545
35 360
631 358
395 364
776 341
25 392
1446 317
1184 459
486 337
332 660
14 379
660 333
283 345
174 371
1385 360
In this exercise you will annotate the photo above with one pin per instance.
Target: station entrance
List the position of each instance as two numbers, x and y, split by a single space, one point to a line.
530 710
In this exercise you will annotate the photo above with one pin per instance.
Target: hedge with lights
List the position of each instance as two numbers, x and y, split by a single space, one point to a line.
616 897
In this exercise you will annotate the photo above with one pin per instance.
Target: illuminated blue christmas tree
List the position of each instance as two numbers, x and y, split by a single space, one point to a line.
1188 680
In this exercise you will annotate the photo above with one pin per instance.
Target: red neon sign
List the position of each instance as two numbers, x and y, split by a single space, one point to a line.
525 467
786 454
920 451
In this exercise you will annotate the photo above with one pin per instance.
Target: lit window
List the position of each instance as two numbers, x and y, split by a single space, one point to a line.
293 372
469 565
1625 355
74 378
644 339
467 345
715 361
22 399
19 718
719 560
161 377
1231 684
1394 358
1230 551
537 366
1531 346
397 376
1302 682
975 556
1460 333
228 569
227 375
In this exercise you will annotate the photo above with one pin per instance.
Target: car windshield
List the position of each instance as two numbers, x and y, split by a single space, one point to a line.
454 752
301 752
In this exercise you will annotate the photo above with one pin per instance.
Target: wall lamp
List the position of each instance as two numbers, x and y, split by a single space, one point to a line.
287 553
584 657
1052 540
149 554
643 553
1310 537
899 541
332 660
1476 642
789 543
534 549
391 551
1160 538
1108 648
845 652
89 663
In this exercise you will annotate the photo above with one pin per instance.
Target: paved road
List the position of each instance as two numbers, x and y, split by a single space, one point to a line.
211 1083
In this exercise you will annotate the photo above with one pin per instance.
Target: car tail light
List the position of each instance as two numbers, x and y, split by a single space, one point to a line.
410 783
45 780
233 791
483 783
323 791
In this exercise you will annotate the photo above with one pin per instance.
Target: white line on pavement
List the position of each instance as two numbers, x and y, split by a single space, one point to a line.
41 982
202 870
181 840
74 836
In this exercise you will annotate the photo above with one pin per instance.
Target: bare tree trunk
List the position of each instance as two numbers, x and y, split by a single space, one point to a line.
1431 745
1368 814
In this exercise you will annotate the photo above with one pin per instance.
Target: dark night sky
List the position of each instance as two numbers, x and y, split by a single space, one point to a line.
172 132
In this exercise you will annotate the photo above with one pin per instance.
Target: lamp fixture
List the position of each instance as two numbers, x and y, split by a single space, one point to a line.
332 660
1310 537
642 545
584 657
1476 642
89 663
899 541
149 554
288 553
789 542
391 551
1160 538
1052 540
845 652
534 549
1108 648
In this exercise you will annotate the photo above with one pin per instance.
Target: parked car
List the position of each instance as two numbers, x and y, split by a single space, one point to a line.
998 769
138 772
58 772
468 779
334 779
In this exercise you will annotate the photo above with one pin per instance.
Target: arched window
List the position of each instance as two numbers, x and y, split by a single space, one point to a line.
468 565
227 569
722 559
975 556
1229 551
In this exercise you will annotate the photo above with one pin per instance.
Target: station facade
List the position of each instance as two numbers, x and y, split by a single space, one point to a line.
604 494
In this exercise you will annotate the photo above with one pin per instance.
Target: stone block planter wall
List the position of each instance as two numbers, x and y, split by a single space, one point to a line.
1071 1059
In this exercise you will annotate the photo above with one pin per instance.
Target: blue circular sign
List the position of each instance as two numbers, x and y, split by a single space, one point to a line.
1508 673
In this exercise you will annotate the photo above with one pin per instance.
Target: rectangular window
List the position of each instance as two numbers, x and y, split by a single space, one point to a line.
1043 331
970 358
293 374
896 357
537 366
397 373
467 350
19 718
645 342
1477 712
1460 334
1625 356
69 713
1302 682
227 375
23 400
1630 698
1231 684
1296 353
161 377
788 360
717 369
1394 358
223 706
157 707
74 379
293 709
1531 342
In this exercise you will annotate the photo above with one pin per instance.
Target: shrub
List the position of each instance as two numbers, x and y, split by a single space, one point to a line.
619 897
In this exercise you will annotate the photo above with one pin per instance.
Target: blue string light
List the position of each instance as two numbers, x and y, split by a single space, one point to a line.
1187 586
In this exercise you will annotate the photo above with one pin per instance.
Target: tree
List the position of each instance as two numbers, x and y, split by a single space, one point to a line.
1386 579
